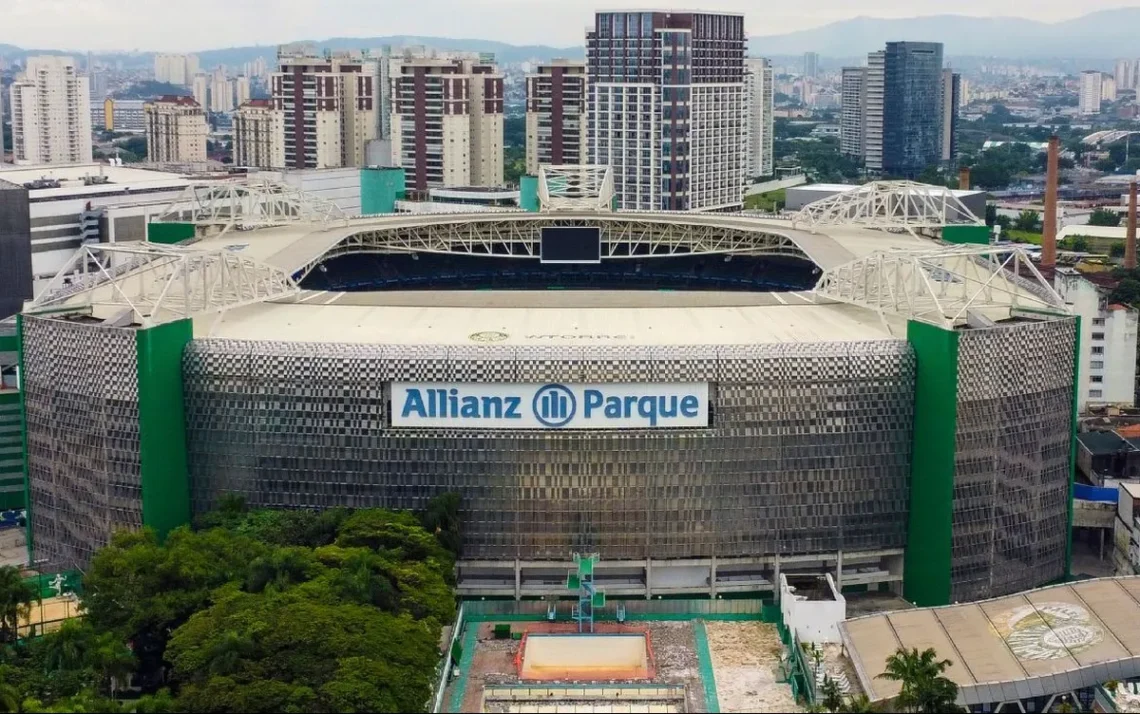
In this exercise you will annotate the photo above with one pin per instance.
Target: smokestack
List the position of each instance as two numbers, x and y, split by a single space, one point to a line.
1049 225
964 178
1130 240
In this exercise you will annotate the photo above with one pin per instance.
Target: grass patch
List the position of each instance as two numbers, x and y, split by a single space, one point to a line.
771 201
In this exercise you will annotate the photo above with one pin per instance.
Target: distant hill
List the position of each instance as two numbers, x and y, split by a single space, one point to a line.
1104 34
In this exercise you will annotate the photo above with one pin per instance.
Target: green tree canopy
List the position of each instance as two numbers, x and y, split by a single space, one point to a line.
16 599
1028 221
1104 217
923 688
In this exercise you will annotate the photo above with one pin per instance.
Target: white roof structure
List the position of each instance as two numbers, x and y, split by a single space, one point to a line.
888 205
575 187
1107 136
1039 643
251 203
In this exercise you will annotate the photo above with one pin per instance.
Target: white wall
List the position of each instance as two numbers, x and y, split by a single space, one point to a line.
339 186
814 621
1115 365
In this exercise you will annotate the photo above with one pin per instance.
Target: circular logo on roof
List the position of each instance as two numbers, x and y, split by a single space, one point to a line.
1051 630
491 336
554 406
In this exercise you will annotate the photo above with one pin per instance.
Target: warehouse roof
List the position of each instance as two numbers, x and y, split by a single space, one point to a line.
1037 643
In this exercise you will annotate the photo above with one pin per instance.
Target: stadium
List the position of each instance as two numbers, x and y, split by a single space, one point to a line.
705 401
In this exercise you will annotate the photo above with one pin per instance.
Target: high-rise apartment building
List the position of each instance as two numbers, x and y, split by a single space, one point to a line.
874 88
665 107
127 115
759 120
447 122
259 135
221 95
1126 76
201 90
1090 92
951 100
175 69
912 109
176 131
811 64
330 106
852 110
51 113
1107 88
556 114
241 90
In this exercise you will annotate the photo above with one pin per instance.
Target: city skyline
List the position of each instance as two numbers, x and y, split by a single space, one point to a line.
83 25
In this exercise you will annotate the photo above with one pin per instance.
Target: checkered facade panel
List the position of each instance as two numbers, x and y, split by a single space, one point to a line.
1014 438
808 451
81 391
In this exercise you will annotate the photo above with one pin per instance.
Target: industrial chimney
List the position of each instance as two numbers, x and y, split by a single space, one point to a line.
1049 225
964 178
1130 237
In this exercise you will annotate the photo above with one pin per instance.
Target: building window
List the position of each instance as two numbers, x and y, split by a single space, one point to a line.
1096 365
1098 350
1095 394
1098 322
1096 379
1098 335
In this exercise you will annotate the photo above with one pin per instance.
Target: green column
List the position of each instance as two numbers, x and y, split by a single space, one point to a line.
162 426
24 434
528 193
1073 447
380 188
926 578
11 433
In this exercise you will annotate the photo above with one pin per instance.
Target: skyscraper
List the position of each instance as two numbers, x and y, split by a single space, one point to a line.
556 114
665 103
852 108
175 69
330 107
811 64
175 131
951 100
759 120
912 110
259 135
874 88
447 122
221 95
241 90
1090 92
1107 88
51 112
201 86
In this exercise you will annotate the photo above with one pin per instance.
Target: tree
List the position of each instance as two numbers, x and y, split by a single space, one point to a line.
923 688
16 600
1028 221
1104 217
1116 250
831 699
442 519
1126 292
1079 243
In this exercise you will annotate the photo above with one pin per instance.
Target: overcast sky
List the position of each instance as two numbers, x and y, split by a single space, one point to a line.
186 25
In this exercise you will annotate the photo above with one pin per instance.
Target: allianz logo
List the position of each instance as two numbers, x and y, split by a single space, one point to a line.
552 405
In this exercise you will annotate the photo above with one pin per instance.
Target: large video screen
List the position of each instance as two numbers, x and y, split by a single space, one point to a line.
571 245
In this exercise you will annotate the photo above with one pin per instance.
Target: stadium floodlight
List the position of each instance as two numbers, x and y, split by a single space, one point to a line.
888 205
575 187
161 283
943 286
250 203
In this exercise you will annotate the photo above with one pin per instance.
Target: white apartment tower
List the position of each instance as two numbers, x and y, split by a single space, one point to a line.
201 90
759 120
447 122
665 107
874 89
51 113
1107 88
852 100
556 114
330 107
176 131
1106 370
1090 92
241 90
175 69
259 135
221 95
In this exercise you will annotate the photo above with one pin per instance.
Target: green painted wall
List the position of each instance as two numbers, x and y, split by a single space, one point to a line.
162 426
380 188
966 234
159 232
24 427
926 578
11 451
528 193
1073 448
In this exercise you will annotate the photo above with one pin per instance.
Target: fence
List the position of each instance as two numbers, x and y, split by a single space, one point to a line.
445 662
634 610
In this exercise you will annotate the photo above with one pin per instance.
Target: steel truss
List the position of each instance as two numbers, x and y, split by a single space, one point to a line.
251 203
888 205
575 188
944 286
519 236
155 283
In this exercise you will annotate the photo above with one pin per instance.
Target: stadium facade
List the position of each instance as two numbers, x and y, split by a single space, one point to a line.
898 410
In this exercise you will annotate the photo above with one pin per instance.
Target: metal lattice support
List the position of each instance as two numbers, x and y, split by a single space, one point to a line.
888 205
942 286
251 203
575 187
519 236
161 283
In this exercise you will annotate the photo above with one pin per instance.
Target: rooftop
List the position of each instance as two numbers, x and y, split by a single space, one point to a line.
1103 442
73 176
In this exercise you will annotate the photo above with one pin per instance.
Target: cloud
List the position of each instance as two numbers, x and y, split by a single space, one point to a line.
80 25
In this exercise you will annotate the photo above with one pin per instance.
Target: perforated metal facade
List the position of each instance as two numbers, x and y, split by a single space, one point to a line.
1014 438
808 452
81 395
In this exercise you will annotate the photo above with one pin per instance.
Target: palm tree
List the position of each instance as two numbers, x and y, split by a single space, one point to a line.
16 600
923 689
860 705
9 698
